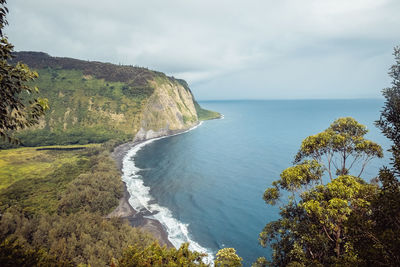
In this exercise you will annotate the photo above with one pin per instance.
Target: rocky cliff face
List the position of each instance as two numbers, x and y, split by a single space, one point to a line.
171 108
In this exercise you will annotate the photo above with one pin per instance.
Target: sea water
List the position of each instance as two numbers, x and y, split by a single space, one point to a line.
206 185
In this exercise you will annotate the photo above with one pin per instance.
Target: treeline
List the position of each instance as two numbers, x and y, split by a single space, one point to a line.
110 72
71 239
75 136
78 135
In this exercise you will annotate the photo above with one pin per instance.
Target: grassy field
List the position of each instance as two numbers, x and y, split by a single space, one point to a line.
31 163
34 179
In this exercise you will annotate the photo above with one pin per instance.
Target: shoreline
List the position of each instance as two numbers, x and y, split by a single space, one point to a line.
125 211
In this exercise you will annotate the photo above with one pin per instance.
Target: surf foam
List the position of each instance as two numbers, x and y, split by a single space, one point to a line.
140 199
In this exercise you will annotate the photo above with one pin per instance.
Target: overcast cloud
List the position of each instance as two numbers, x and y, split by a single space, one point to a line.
250 49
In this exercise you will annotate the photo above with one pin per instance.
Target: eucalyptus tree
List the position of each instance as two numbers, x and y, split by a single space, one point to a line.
227 257
315 227
340 147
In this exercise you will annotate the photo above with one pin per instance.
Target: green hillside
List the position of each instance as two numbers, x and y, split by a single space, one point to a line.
91 102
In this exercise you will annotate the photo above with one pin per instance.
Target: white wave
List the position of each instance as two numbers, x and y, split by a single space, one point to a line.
140 199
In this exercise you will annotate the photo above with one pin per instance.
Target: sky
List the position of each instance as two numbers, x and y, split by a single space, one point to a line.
225 49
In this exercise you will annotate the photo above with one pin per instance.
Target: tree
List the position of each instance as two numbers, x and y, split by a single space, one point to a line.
342 142
227 257
155 255
18 108
317 221
389 122
384 237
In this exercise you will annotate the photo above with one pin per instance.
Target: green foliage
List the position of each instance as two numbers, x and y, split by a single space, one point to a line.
319 229
72 181
389 122
155 255
271 195
32 163
96 191
14 254
79 238
381 243
76 135
293 178
34 195
15 111
138 91
260 262
227 257
333 205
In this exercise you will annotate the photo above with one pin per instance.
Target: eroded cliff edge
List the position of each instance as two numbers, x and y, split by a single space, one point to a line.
169 109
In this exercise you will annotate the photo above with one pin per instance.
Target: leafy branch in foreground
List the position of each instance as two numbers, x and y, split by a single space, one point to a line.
17 107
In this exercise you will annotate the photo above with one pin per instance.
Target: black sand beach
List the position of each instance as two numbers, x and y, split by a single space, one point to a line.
124 209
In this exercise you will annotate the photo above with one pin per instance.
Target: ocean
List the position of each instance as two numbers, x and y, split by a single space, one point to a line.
206 185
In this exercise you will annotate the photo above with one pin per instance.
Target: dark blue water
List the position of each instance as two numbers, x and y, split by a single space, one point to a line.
213 178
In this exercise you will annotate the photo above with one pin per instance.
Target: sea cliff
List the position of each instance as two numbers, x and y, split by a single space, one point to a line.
92 102
169 109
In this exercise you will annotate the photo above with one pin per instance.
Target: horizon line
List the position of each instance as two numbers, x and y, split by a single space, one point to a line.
290 99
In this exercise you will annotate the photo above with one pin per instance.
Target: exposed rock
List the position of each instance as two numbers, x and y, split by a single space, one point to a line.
169 109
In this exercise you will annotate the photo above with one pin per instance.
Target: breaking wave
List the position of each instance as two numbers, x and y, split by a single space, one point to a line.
141 200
